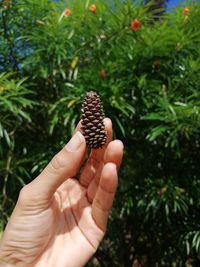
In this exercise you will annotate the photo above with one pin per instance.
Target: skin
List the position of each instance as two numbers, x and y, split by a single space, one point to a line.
59 221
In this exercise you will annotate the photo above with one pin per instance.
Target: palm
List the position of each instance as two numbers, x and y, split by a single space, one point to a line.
60 221
69 219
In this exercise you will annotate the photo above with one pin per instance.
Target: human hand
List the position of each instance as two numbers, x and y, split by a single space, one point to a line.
59 221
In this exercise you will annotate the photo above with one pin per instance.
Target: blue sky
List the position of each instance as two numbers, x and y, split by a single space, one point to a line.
172 3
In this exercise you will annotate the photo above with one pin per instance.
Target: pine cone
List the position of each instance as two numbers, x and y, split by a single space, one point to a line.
93 127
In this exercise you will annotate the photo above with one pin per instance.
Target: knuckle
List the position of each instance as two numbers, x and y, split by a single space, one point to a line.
101 207
57 162
24 195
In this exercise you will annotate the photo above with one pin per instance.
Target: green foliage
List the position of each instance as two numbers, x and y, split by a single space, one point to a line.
15 106
13 102
149 82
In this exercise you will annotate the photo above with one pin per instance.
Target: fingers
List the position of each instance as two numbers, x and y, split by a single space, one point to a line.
96 157
65 164
105 194
113 154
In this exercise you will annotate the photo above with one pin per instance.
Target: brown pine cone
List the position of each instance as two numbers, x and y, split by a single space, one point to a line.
93 127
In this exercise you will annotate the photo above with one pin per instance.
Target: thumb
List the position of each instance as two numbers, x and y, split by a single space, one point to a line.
65 164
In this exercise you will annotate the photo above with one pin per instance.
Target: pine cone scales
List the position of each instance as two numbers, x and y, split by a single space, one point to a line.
92 121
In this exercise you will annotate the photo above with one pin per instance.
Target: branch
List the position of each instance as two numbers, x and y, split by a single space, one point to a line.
7 171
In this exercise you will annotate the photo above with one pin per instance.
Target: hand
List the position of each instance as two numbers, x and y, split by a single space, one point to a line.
59 221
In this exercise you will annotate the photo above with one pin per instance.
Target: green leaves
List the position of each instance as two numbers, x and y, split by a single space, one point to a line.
192 241
14 104
63 113
15 107
175 120
163 199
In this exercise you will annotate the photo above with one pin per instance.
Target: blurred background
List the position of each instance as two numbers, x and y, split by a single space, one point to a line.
143 58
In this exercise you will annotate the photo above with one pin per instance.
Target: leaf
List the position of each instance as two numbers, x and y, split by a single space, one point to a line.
34 168
63 74
67 119
61 17
132 109
153 116
21 181
72 126
69 85
75 74
142 81
167 210
71 34
71 103
187 247
21 82
25 115
74 62
1 130
157 131
87 4
172 110
120 126
7 138
180 104
53 124
197 245
196 240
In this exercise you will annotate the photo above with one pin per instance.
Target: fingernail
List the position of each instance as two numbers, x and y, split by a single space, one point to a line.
75 142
